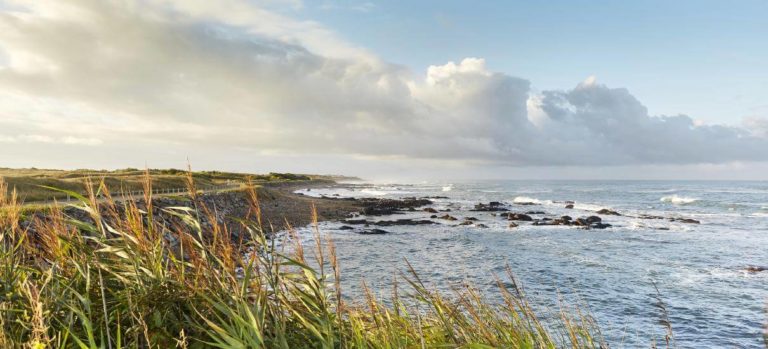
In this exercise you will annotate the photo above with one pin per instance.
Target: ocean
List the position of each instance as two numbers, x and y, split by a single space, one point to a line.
699 269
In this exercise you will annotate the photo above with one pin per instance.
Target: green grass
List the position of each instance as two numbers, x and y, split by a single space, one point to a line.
33 184
127 280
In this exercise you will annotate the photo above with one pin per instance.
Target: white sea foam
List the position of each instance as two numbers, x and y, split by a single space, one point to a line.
448 187
678 200
374 192
526 200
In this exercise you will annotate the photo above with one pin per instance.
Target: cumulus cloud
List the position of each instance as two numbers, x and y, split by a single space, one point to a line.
232 74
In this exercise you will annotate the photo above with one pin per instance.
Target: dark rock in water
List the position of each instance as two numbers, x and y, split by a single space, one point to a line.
433 216
448 217
661 228
569 206
481 225
593 219
470 219
403 222
599 225
755 269
535 212
345 227
570 202
647 216
379 207
519 217
580 222
606 211
566 218
526 203
430 210
373 232
493 206
435 197
685 220
513 225
466 223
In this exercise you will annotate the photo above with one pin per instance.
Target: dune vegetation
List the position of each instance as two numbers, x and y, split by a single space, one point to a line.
124 279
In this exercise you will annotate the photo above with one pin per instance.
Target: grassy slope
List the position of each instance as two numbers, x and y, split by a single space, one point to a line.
28 182
127 280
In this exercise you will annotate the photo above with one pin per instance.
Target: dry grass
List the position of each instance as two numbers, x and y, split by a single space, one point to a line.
126 279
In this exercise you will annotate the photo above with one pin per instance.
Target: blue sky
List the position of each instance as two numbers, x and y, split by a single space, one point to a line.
706 59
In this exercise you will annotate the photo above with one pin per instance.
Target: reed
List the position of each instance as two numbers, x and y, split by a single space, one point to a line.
125 278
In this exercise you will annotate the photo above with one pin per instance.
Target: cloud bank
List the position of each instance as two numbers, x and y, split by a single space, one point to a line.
232 74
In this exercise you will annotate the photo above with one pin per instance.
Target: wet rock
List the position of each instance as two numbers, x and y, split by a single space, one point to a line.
535 212
566 218
519 217
407 221
685 220
481 225
448 217
379 207
346 227
608 212
513 225
493 206
433 216
466 223
470 219
599 226
356 221
647 216
569 206
593 219
430 210
373 232
755 268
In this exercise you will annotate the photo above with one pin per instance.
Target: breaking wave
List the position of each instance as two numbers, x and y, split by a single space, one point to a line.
678 200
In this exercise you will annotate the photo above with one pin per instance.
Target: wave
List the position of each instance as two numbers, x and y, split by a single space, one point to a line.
525 200
678 200
448 187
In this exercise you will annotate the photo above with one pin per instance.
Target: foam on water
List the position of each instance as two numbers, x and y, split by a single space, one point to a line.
698 268
678 200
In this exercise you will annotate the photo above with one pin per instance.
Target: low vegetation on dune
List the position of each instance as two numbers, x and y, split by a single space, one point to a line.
125 279
35 185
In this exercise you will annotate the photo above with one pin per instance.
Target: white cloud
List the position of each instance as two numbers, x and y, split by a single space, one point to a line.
234 75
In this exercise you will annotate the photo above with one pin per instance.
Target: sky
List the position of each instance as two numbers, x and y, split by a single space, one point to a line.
389 89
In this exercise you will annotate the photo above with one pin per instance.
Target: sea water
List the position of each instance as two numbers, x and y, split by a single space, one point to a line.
699 269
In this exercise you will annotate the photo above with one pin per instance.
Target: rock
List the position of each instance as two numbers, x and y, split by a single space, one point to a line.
599 225
346 227
646 216
755 269
493 206
356 221
569 206
373 232
448 217
535 212
593 219
566 218
519 217
430 210
481 225
470 219
606 211
433 216
407 221
685 220
466 223
513 225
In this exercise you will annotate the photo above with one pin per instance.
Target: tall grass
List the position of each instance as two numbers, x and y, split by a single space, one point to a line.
125 278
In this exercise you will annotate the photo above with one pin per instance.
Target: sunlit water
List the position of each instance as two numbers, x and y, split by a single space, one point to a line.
699 269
